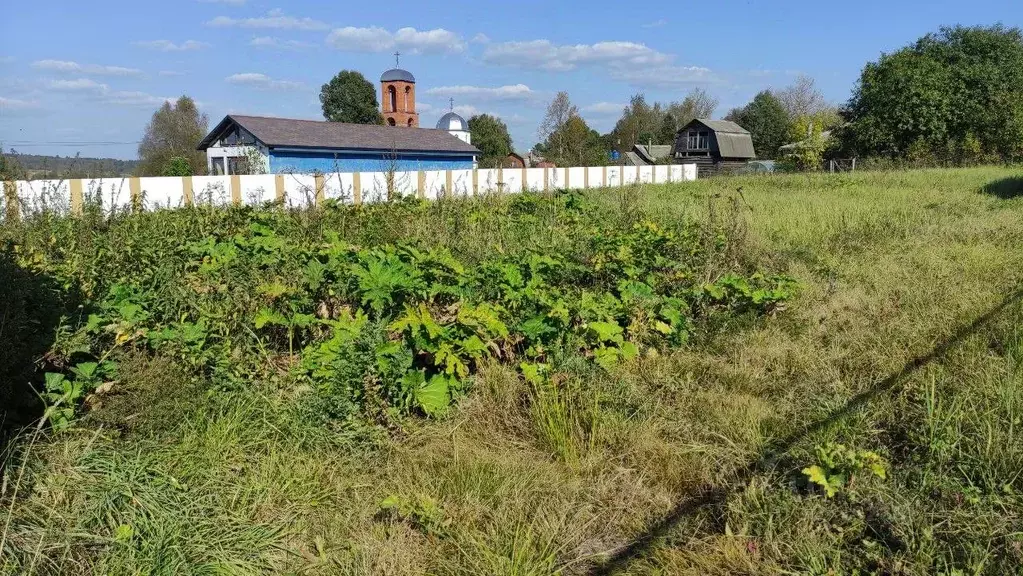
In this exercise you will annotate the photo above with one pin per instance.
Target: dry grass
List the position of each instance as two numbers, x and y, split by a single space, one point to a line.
520 482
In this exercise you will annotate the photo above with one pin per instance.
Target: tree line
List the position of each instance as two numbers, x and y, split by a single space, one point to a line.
953 96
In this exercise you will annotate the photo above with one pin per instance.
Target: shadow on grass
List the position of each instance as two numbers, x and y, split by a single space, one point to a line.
1005 188
31 306
713 496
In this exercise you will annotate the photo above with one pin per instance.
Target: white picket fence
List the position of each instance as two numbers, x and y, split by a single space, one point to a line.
302 190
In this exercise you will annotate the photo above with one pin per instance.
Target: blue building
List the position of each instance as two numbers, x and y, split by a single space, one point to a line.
256 144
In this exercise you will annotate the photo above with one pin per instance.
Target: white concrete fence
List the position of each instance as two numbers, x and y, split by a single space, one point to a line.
302 190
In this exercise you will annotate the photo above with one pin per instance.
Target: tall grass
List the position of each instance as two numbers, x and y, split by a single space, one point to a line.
521 480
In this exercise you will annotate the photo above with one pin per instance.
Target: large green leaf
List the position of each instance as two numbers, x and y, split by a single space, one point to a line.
434 396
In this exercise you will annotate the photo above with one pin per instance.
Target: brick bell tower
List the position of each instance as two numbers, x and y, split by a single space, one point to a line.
398 97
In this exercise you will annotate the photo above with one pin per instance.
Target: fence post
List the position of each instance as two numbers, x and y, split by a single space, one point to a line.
546 178
421 193
500 179
448 193
11 199
187 192
236 189
586 177
475 182
525 181
320 193
606 183
135 188
76 196
279 187
357 188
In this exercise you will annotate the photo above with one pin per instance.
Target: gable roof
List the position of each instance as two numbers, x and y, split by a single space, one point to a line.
733 140
291 133
650 154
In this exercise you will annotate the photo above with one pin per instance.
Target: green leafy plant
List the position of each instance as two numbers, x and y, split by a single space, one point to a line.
838 465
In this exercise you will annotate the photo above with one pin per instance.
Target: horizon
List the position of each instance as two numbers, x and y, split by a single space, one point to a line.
73 91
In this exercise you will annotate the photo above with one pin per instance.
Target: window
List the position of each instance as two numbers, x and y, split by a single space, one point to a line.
218 166
392 97
406 108
410 122
238 165
390 121
698 140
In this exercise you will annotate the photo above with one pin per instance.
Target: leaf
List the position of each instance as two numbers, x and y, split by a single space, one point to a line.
434 396
629 350
86 370
266 316
606 331
533 372
816 475
54 382
124 533
606 358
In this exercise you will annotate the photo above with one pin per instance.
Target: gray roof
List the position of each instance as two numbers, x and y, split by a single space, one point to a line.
289 133
397 74
650 154
734 141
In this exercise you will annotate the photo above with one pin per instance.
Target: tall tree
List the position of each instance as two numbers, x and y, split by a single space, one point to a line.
173 131
698 103
349 97
802 98
550 132
490 135
640 123
574 144
956 93
767 121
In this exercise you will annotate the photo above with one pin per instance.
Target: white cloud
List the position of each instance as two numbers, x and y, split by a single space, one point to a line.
655 23
545 55
466 111
630 62
79 85
13 105
90 69
275 19
170 73
263 82
279 43
135 98
376 39
168 46
481 38
102 93
513 92
604 108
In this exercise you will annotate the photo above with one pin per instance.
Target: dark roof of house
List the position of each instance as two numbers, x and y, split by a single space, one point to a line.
650 154
734 141
397 74
289 133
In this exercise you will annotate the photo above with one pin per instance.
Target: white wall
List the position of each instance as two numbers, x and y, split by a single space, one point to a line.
300 190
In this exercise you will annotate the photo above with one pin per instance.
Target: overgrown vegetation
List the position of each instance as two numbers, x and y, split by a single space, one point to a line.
528 385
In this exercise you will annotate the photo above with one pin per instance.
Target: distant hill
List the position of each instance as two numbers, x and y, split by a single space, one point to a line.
37 166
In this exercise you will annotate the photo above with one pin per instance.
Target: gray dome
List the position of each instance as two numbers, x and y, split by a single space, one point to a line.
397 75
452 121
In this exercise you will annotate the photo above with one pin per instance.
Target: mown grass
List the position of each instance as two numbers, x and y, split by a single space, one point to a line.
575 479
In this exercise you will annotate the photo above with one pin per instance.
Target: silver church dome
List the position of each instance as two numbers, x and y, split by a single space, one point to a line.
397 74
451 122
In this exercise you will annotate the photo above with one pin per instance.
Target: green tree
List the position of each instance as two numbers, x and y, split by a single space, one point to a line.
551 132
640 124
349 97
697 104
767 121
490 135
574 144
944 95
173 131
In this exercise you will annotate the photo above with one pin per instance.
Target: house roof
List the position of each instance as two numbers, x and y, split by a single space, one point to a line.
650 154
734 141
290 133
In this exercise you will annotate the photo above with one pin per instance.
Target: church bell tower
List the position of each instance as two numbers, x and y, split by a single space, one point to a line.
398 97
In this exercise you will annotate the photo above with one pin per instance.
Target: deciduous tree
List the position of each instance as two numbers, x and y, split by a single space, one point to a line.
551 131
173 131
349 97
949 94
491 136
767 121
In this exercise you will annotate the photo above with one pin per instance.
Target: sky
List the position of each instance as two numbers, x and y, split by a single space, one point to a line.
85 77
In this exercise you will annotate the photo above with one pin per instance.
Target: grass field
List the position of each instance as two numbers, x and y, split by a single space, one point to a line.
894 376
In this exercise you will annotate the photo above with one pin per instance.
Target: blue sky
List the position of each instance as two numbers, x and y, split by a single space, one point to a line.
86 76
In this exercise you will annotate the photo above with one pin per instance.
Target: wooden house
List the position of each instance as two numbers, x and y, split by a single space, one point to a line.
715 146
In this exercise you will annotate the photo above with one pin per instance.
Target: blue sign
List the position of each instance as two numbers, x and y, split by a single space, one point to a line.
615 156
